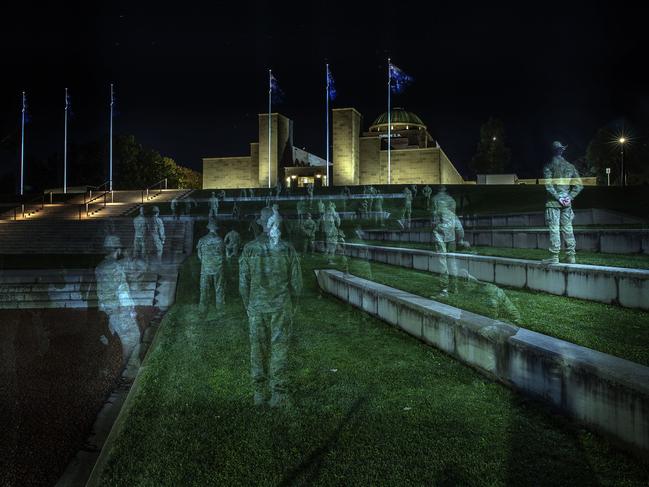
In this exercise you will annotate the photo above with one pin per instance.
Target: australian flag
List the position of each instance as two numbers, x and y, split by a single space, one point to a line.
276 93
398 79
25 112
68 104
331 87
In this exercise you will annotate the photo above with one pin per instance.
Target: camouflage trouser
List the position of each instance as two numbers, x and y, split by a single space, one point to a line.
231 251
269 341
309 244
447 265
139 249
559 222
157 243
332 244
122 322
217 281
407 212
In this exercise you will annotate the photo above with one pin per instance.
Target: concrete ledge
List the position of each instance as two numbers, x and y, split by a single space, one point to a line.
604 392
612 241
614 285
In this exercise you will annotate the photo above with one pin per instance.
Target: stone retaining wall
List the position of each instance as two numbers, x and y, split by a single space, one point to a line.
605 392
614 285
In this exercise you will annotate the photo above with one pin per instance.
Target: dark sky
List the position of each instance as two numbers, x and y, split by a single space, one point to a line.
191 79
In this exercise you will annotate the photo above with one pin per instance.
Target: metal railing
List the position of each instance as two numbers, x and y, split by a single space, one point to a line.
105 187
158 186
99 201
27 208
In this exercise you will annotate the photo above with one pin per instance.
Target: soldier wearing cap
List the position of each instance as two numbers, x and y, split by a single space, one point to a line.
114 296
563 184
270 281
210 250
139 228
157 232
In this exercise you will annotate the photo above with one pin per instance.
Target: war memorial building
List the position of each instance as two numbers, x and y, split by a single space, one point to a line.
357 157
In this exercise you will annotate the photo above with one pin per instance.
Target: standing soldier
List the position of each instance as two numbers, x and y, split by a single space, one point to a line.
330 224
210 250
139 228
157 232
232 242
309 190
427 192
189 202
214 206
308 230
235 211
414 190
379 217
407 206
174 208
270 281
278 188
563 184
114 296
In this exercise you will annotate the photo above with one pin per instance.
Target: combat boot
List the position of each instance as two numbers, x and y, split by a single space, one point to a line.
553 259
570 259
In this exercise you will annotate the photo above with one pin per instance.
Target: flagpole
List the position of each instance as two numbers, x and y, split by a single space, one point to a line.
110 143
327 124
389 127
65 146
270 90
22 148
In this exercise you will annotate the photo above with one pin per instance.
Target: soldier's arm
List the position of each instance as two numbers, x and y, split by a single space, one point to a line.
549 183
575 184
162 231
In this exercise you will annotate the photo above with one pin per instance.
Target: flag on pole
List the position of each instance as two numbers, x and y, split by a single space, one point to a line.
25 112
68 103
276 93
399 80
331 87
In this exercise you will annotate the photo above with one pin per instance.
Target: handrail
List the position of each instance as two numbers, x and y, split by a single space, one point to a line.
93 200
38 200
163 180
95 188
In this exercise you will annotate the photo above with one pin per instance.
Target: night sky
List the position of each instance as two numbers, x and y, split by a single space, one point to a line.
191 79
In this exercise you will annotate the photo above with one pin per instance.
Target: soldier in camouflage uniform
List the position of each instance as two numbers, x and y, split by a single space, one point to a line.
139 233
447 234
379 218
270 281
214 205
210 251
232 242
496 302
563 184
427 192
308 231
157 232
114 296
330 223
407 206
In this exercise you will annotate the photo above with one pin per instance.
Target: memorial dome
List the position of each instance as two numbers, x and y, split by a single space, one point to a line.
400 119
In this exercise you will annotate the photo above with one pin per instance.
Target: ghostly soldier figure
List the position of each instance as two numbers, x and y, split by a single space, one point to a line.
114 296
189 202
563 184
270 281
330 224
427 192
494 299
276 218
308 230
321 208
407 206
447 234
309 190
174 208
210 251
414 190
379 218
157 232
235 211
139 229
232 241
363 210
214 206
278 188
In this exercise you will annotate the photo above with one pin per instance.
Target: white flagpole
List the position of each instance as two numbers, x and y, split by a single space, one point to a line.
389 122
65 146
327 124
110 143
22 148
270 90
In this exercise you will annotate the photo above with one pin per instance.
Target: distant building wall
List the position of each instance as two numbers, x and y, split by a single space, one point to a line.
346 128
371 171
228 172
280 138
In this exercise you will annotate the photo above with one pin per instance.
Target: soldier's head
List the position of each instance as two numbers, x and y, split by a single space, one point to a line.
558 148
212 226
141 210
113 245
266 213
155 210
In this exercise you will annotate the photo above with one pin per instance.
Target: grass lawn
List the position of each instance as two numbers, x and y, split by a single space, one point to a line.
622 332
372 406
634 261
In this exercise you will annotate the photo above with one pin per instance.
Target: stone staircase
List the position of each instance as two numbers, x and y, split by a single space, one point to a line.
74 237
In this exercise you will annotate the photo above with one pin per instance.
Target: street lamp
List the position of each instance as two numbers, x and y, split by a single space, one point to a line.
622 140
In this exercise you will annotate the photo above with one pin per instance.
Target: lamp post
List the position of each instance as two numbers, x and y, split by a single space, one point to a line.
622 140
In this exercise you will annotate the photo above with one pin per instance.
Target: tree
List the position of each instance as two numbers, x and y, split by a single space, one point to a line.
492 156
604 151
